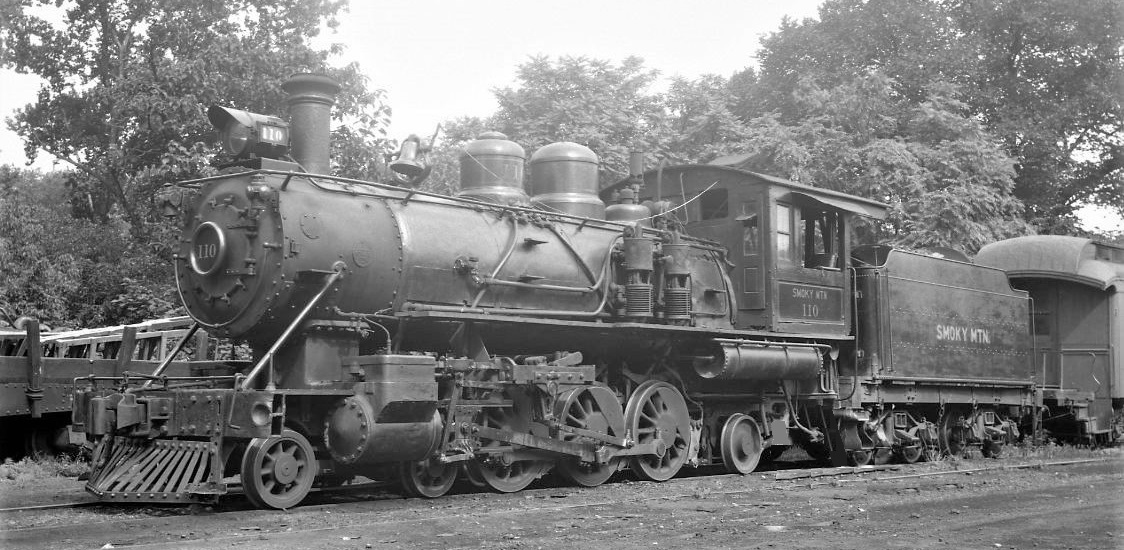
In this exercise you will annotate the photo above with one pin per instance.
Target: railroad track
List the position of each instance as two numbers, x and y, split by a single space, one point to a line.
355 491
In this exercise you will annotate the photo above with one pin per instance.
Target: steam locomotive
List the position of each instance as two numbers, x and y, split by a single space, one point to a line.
707 315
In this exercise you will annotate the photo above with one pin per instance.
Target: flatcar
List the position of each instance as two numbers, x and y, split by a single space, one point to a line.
38 368
686 316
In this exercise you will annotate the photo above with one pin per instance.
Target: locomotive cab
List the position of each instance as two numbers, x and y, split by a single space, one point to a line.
789 242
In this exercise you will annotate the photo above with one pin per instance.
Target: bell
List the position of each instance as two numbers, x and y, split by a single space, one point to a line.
408 168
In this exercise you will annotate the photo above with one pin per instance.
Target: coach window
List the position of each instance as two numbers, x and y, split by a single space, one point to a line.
821 239
784 233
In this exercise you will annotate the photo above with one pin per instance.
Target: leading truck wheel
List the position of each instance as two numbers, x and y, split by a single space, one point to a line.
278 471
656 413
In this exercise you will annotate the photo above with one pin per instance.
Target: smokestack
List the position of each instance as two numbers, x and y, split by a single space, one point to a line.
311 97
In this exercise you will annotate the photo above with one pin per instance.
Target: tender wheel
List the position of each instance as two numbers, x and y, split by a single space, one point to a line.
657 413
991 448
498 471
427 478
278 471
595 409
860 458
952 436
882 455
910 453
741 444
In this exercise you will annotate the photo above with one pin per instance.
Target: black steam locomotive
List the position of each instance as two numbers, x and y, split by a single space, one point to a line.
706 315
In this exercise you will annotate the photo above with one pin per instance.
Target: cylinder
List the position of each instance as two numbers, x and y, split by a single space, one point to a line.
492 170
356 435
311 97
761 361
564 179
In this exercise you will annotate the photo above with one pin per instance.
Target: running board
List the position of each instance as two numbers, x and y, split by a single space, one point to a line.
154 471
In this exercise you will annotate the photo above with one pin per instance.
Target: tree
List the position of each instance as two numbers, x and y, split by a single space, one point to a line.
588 101
72 272
947 181
701 124
1042 75
128 82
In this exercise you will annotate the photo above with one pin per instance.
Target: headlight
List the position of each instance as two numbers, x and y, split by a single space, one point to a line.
245 133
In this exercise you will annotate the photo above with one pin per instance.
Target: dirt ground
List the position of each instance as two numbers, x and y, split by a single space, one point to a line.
940 505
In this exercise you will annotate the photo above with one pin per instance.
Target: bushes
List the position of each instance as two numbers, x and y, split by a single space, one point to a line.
70 271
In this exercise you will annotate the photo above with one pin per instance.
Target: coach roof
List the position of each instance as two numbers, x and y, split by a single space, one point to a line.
1076 259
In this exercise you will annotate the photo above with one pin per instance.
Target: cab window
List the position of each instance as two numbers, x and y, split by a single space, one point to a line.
714 204
822 232
751 232
785 249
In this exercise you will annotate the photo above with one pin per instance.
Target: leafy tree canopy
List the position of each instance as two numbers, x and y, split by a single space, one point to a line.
128 82
72 272
1043 75
947 179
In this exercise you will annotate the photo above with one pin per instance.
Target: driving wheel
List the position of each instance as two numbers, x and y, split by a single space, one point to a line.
429 478
593 409
500 472
278 471
657 414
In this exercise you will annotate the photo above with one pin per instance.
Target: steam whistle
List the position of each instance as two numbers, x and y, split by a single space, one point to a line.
409 165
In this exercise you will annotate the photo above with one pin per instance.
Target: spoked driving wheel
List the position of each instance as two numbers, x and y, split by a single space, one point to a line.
657 414
741 444
500 472
592 409
429 478
278 471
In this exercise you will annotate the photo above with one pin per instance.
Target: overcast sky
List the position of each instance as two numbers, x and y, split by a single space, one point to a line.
439 60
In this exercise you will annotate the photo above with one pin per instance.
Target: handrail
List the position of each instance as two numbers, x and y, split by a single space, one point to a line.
338 270
171 356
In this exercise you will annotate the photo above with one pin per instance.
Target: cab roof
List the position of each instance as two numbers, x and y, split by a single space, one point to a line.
800 193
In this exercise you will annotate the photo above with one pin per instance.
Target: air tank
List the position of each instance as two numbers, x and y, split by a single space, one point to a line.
564 179
492 170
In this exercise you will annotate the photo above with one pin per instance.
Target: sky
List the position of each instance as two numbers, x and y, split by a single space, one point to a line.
439 60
